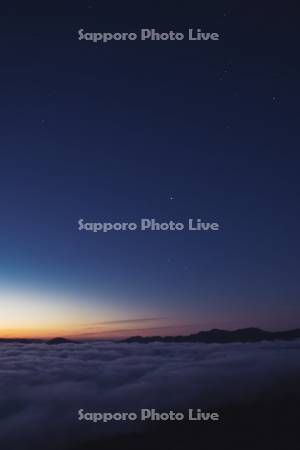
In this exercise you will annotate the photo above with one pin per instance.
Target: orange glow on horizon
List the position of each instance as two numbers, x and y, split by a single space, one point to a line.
33 314
29 314
39 315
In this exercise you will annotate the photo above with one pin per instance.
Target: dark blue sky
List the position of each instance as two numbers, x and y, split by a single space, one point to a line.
112 132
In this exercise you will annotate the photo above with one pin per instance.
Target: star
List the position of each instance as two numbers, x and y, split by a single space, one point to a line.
172 198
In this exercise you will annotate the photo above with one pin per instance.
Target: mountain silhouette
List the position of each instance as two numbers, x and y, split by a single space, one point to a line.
55 341
20 341
60 340
223 336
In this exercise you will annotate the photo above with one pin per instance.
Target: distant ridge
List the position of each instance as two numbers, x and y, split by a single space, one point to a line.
213 336
60 340
55 341
21 341
216 336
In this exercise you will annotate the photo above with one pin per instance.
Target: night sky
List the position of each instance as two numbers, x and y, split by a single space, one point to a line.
167 130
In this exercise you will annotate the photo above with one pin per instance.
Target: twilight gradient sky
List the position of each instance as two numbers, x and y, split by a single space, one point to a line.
111 133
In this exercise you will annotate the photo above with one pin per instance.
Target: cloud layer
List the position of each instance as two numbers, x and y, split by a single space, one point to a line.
42 387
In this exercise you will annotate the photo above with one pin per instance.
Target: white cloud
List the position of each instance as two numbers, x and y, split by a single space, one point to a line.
42 387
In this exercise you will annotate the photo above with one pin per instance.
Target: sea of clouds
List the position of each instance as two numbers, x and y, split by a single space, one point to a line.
42 387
